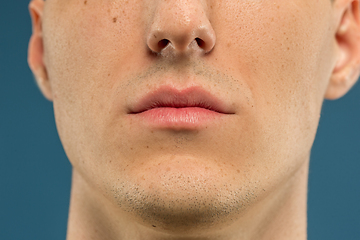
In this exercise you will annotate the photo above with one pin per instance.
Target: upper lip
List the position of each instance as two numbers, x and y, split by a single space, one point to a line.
171 97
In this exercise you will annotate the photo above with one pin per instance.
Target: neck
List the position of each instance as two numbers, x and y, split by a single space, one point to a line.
280 216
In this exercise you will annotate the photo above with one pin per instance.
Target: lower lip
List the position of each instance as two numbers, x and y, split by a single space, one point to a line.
179 118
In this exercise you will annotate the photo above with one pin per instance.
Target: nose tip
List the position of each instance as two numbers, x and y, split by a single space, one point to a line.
188 32
200 39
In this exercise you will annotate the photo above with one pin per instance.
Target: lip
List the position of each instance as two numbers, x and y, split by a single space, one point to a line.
189 108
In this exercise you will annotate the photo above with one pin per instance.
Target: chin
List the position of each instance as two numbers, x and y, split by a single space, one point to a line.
184 203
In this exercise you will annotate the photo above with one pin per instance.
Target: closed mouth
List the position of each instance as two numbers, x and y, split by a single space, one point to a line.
168 97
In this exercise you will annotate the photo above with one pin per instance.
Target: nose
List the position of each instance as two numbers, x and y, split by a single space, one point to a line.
181 27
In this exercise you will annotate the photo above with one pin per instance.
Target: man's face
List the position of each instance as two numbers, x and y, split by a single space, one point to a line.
269 66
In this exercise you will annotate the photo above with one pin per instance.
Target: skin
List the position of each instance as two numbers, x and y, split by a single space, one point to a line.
244 177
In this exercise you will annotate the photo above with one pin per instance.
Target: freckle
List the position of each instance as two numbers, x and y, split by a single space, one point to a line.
147 146
114 20
85 2
238 171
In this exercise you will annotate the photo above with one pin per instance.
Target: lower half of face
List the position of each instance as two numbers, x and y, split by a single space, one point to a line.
270 65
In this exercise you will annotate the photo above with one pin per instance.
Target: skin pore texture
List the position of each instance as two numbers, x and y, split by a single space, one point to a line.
240 176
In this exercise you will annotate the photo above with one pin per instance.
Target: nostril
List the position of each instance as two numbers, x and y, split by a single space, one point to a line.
163 43
200 42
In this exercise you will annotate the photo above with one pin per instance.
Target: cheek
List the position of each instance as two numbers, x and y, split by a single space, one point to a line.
281 51
83 47
84 40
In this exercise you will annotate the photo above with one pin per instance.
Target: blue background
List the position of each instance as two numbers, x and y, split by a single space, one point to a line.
35 173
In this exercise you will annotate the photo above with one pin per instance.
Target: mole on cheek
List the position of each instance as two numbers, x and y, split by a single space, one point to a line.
114 20
85 2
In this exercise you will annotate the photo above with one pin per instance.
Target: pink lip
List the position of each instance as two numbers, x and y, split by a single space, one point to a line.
189 108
